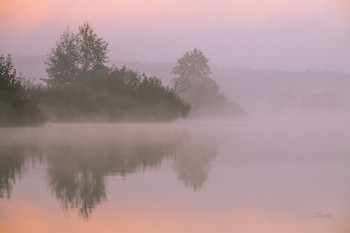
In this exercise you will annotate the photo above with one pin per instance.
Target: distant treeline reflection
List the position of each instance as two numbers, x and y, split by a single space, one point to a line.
76 173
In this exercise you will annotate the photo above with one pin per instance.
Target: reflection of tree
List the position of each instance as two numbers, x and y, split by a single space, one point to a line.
136 158
76 175
77 168
12 166
77 181
12 162
192 163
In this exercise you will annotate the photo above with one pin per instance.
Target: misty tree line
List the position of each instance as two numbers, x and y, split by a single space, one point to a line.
81 87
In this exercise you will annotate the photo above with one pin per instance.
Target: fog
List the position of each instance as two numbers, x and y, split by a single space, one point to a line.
259 92
281 174
174 116
269 34
269 57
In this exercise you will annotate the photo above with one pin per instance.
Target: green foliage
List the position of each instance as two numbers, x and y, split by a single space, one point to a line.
80 87
144 97
112 95
17 107
70 103
75 55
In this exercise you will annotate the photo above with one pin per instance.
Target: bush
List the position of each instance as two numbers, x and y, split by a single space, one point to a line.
17 107
113 95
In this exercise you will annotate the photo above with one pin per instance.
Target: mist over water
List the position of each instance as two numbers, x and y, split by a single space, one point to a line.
267 174
175 116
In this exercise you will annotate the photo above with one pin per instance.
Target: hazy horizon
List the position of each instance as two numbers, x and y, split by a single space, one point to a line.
270 34
217 116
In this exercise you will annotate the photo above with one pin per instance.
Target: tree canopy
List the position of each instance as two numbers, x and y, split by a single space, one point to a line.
92 49
75 55
193 83
113 94
81 87
192 70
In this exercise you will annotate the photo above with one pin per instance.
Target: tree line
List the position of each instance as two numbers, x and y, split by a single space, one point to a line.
81 87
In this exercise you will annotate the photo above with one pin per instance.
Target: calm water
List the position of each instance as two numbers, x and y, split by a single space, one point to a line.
286 176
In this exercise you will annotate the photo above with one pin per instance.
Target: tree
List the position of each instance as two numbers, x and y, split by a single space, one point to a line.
93 50
75 55
192 70
142 97
16 107
8 77
63 60
193 83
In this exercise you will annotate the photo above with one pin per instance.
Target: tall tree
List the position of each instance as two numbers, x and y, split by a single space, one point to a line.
93 50
75 55
192 70
192 81
63 60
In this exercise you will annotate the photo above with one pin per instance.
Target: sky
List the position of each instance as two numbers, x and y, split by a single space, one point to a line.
258 34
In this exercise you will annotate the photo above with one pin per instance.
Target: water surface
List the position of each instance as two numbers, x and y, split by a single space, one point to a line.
265 176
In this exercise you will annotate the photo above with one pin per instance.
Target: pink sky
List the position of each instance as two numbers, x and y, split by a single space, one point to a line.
253 33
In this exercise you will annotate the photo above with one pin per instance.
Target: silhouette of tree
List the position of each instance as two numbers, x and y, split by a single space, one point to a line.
144 97
93 50
75 55
63 60
193 83
192 70
16 106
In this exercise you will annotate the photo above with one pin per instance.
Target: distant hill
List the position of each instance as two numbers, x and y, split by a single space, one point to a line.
252 89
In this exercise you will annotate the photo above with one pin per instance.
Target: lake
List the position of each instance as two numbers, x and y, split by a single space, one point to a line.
266 175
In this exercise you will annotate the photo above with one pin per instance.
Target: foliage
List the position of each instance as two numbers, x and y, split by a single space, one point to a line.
17 107
192 70
144 97
63 60
75 55
92 50
112 95
193 83
81 88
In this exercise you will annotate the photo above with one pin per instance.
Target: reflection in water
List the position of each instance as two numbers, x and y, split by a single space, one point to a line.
76 169
192 163
12 165
271 178
12 162
76 182
77 175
